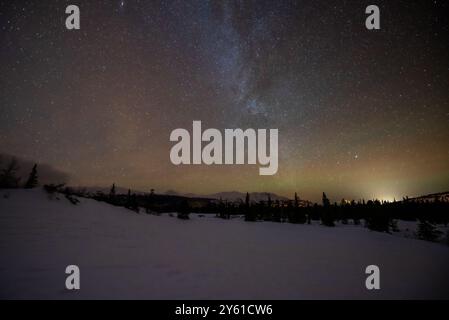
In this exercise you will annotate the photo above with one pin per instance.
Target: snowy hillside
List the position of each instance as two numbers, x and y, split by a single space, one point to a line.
122 254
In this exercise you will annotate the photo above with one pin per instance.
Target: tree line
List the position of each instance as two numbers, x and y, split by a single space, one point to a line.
376 215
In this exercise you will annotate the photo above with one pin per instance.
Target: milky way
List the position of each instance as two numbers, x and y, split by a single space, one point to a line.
360 113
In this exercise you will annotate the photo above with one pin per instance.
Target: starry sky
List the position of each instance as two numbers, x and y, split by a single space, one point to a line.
360 113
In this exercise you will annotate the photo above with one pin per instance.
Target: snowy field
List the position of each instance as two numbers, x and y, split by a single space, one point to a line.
122 254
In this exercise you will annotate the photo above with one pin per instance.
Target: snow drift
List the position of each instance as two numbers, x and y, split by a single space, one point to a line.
122 254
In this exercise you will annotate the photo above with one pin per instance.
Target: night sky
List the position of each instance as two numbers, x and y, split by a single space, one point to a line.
360 113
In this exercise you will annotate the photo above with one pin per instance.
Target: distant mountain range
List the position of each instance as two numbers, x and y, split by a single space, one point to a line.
237 196
227 195
233 195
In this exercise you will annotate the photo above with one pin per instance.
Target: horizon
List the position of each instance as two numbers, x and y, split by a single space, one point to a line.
289 197
54 175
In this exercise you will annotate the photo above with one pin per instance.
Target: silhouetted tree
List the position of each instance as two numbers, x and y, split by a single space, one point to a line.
309 218
134 203
377 219
221 208
149 199
327 217
297 214
326 201
394 225
250 215
112 191
8 178
112 196
53 189
128 199
131 201
276 215
184 210
32 178
428 231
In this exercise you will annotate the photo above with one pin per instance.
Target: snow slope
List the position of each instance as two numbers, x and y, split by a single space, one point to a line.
122 254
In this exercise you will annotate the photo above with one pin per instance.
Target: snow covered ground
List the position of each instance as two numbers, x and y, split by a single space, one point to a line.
122 254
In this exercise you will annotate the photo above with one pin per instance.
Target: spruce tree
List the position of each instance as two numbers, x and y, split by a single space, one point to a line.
428 231
32 178
134 203
149 199
249 214
128 200
184 210
112 194
327 218
8 178
299 212
326 201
